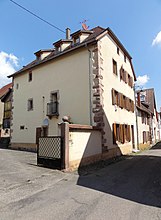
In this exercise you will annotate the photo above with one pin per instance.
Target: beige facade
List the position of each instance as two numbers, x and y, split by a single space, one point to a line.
113 113
143 120
69 75
83 79
155 128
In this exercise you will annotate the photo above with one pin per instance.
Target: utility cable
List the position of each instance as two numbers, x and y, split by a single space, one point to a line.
36 16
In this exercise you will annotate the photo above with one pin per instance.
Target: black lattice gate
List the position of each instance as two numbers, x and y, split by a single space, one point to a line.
50 152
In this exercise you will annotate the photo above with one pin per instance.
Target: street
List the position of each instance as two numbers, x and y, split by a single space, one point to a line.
127 189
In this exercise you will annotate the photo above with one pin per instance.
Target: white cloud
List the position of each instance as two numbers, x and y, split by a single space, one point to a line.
157 40
142 80
8 64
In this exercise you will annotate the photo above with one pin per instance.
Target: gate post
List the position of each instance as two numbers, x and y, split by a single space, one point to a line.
65 145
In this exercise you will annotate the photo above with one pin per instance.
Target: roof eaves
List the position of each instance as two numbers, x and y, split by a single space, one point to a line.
83 44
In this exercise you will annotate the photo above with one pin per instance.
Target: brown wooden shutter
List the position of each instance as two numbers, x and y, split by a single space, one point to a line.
129 133
132 83
121 73
121 134
142 117
132 106
113 96
114 133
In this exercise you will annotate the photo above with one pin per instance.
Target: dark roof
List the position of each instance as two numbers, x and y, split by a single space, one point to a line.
150 98
5 89
96 33
143 108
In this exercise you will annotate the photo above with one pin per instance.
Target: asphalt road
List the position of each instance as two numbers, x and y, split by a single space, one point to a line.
126 190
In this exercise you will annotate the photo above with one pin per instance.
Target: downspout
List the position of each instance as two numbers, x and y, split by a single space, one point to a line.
90 84
136 117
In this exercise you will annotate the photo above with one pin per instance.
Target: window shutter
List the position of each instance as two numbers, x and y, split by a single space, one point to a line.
129 134
132 106
132 84
123 133
142 117
113 96
114 133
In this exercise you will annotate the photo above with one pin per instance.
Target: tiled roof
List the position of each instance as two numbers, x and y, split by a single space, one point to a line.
95 33
150 98
144 109
5 89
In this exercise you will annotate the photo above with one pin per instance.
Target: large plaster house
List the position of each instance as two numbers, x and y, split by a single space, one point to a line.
88 77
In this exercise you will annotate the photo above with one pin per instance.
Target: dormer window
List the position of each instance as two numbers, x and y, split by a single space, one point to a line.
58 49
142 97
80 36
76 40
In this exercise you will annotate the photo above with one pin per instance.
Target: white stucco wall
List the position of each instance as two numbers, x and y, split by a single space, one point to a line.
156 130
84 144
141 127
68 74
110 80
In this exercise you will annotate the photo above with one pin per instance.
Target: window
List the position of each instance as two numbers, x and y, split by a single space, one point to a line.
118 51
125 58
30 76
22 127
76 40
115 97
17 85
6 123
122 101
30 105
121 133
52 107
144 137
114 67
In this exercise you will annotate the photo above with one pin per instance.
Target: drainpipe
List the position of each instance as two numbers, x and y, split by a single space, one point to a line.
90 84
136 117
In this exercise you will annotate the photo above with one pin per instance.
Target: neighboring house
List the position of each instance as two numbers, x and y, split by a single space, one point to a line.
5 110
144 122
89 77
147 97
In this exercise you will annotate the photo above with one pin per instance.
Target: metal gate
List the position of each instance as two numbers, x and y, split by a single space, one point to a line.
50 152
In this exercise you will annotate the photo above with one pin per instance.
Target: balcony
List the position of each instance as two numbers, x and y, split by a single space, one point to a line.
52 109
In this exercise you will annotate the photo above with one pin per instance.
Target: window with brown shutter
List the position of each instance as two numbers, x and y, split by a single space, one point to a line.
124 101
144 137
113 96
121 73
129 80
114 66
129 133
132 106
122 134
118 132
114 133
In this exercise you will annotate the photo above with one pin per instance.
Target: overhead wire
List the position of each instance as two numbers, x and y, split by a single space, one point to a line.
37 16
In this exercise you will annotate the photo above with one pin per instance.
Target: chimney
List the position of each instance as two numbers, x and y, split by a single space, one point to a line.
138 98
68 33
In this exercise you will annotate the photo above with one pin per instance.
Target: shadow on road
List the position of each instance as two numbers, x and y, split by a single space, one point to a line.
137 178
156 146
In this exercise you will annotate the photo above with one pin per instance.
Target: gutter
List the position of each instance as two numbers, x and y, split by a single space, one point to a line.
55 56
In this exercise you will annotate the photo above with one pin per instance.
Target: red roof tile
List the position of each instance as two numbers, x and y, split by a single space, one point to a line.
5 89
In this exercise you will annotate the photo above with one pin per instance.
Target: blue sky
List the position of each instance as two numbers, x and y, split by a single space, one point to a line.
136 23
